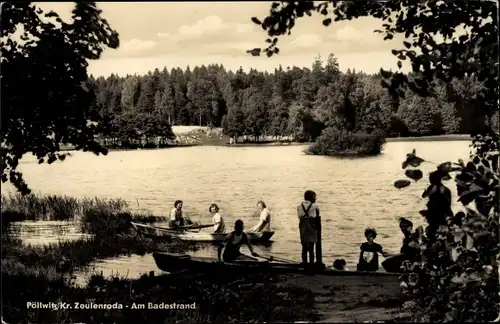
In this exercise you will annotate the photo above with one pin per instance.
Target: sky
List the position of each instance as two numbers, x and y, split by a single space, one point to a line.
178 34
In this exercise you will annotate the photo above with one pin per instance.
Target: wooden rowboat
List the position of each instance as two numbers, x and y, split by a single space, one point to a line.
198 237
175 262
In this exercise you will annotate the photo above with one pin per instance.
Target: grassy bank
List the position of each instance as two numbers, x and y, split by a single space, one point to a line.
228 299
44 274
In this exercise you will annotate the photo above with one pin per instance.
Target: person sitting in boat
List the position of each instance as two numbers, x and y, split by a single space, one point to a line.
264 224
219 226
410 249
308 212
368 257
178 217
233 242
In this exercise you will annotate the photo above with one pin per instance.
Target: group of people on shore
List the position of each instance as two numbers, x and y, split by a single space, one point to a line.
368 257
308 213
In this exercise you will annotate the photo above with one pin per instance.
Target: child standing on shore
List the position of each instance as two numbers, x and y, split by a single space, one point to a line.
308 213
368 257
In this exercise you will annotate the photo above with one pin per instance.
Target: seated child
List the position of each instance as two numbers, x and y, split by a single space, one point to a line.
368 257
340 264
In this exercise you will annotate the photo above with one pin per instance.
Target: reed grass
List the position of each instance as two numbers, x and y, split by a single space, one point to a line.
103 217
53 207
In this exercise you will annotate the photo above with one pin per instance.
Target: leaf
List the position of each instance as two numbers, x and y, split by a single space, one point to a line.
475 188
458 235
327 21
470 194
454 254
414 174
474 214
51 14
469 242
413 160
444 167
488 269
400 65
399 184
254 52
458 280
424 212
256 21
406 44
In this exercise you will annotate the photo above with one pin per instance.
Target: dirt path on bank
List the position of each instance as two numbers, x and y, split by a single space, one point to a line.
351 298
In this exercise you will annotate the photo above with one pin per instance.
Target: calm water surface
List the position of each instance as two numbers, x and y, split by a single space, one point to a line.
353 193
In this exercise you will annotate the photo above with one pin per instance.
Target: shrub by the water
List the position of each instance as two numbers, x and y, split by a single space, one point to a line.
334 141
457 278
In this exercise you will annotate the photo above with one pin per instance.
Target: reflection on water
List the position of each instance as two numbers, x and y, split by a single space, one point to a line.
46 232
352 193
136 265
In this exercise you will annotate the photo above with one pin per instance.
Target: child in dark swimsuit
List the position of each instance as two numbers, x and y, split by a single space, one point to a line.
233 242
368 257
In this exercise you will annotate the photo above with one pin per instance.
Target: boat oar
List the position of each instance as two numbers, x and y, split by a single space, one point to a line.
273 258
187 227
198 227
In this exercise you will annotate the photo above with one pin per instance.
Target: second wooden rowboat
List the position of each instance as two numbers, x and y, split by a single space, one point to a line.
175 262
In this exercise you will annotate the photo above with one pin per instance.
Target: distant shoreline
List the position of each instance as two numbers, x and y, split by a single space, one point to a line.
435 138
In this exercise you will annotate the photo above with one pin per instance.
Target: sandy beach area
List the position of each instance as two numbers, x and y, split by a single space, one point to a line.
349 299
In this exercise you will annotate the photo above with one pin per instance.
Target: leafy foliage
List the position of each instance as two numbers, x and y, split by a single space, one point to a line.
49 59
474 54
457 276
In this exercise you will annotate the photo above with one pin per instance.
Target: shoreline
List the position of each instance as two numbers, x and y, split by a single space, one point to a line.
433 138
292 297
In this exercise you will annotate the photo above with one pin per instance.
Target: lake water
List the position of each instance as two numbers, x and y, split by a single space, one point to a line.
352 193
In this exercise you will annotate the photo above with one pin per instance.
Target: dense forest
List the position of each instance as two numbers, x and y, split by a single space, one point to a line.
293 102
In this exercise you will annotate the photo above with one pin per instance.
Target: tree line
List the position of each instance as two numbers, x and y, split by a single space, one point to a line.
296 102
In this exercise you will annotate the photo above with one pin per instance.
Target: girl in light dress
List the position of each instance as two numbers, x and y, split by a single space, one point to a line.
218 221
264 224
